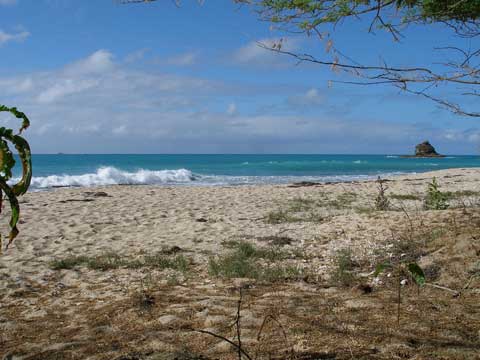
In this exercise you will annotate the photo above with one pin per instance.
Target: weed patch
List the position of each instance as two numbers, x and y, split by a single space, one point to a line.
248 261
107 262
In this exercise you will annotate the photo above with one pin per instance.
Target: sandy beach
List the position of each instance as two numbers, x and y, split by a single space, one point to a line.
52 309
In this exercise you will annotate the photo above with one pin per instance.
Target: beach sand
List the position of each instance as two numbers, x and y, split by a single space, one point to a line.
144 311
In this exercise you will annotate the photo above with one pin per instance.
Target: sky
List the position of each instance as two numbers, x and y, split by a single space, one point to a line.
95 76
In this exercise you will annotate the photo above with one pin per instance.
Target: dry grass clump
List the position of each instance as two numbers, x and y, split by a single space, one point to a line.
110 261
245 260
405 197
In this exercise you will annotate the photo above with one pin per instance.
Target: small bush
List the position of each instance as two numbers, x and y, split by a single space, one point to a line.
435 199
244 261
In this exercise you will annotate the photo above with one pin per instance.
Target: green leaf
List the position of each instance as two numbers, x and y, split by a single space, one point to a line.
417 273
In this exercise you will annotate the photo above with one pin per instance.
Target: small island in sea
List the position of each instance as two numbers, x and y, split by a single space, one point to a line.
424 150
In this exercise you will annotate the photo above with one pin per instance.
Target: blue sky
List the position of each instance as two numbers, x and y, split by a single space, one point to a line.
99 77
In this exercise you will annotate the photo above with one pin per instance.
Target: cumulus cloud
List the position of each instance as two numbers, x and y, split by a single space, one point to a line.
63 88
6 37
98 62
98 104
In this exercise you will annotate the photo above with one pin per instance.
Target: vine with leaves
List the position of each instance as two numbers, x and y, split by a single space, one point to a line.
7 163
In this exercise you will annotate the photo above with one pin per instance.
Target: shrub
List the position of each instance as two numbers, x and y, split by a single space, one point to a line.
435 199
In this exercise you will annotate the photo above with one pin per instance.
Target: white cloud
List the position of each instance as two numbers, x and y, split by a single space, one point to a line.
6 37
63 88
254 53
95 102
16 86
99 62
310 98
98 78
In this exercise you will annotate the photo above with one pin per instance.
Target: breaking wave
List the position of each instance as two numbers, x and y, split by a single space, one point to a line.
113 176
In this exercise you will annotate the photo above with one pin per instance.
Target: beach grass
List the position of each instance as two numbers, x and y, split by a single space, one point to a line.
110 261
245 260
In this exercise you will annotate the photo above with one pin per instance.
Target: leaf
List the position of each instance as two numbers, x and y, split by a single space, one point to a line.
19 115
417 273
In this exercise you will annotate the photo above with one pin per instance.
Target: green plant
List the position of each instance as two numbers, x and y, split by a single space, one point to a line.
7 162
435 199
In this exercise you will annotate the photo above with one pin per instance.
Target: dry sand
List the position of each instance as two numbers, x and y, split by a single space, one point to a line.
136 220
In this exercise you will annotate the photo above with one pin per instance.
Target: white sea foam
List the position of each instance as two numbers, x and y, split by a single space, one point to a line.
114 176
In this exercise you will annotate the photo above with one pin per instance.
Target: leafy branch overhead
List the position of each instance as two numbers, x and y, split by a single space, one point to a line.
452 80
458 68
7 163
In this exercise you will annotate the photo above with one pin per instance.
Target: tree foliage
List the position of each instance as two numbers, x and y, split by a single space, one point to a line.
460 71
7 163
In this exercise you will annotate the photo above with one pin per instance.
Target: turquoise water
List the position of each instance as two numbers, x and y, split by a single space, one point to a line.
90 170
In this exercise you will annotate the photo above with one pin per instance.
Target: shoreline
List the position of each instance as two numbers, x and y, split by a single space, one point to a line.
360 178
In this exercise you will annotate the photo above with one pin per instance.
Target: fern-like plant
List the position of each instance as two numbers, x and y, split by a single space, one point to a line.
7 162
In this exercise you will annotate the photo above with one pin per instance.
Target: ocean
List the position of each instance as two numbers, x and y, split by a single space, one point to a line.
90 170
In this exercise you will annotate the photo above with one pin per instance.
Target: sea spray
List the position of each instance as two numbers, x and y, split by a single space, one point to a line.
113 176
